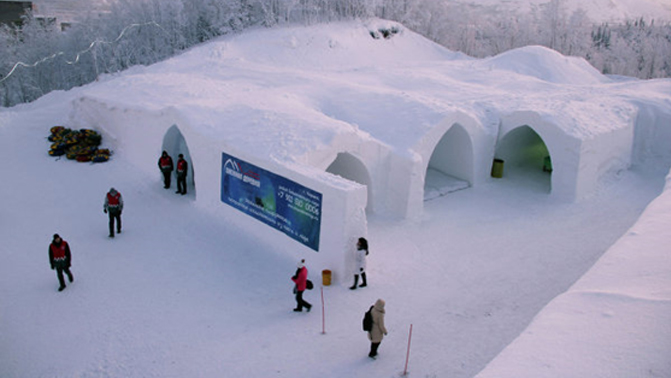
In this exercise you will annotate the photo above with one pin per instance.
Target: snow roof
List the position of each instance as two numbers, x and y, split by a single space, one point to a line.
347 78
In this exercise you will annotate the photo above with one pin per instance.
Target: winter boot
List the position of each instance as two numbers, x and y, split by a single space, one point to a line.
373 350
363 280
356 280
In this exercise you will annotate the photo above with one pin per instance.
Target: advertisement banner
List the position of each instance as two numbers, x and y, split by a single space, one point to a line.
274 200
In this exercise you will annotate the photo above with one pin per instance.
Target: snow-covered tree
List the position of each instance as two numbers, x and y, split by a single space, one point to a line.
147 31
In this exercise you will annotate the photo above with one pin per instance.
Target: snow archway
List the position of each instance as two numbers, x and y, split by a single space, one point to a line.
526 158
349 167
457 146
451 164
175 144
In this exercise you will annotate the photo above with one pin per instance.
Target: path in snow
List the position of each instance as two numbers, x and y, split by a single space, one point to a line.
491 257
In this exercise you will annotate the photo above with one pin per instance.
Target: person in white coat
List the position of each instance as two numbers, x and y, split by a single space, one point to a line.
378 330
360 258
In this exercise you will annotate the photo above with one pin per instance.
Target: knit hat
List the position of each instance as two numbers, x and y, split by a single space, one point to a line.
301 263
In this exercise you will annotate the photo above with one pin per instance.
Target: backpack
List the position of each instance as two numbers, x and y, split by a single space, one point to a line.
368 320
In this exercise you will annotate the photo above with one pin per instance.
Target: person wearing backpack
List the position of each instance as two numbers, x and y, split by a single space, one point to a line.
360 258
378 330
301 281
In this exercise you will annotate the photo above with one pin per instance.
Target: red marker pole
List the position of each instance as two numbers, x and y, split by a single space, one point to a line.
407 356
323 315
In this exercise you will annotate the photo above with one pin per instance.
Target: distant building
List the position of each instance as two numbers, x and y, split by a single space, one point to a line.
62 13
12 11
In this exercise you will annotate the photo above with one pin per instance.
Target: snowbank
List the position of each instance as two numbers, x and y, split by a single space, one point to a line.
614 322
548 65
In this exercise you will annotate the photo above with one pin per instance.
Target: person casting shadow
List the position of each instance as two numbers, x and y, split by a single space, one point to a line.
113 206
300 279
60 259
360 258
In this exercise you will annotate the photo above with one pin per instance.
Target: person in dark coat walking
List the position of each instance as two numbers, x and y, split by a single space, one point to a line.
360 258
378 331
60 259
166 167
113 206
301 279
182 169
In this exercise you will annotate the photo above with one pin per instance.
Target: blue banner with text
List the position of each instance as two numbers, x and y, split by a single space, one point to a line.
274 200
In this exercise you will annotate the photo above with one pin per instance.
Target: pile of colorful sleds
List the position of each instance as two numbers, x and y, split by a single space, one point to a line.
82 145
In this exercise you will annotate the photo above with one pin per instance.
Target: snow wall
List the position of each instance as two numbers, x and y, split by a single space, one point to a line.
459 146
652 134
462 147
357 159
141 134
578 163
394 181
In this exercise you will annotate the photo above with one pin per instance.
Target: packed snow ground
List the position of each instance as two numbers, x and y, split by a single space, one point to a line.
186 291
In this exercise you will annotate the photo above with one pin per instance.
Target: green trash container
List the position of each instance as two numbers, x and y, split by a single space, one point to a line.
497 168
547 164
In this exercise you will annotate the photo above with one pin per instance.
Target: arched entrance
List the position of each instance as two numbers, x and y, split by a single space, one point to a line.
349 167
450 167
175 144
526 158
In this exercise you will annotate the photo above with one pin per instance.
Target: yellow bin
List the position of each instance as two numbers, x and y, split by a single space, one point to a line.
326 277
497 168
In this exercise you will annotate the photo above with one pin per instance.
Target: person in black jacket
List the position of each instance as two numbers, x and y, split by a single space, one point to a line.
113 206
60 259
182 169
166 167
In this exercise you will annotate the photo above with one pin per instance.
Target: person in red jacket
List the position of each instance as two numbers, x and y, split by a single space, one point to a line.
113 206
182 169
301 279
60 259
166 167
